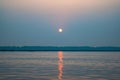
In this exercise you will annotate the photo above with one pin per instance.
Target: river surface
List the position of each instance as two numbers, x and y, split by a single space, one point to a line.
59 65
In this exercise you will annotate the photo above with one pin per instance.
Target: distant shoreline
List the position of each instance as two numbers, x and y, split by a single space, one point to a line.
59 50
55 48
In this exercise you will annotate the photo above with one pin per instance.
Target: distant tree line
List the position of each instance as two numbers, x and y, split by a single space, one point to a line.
55 48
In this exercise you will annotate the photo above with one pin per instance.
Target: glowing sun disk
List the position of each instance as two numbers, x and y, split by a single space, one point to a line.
60 30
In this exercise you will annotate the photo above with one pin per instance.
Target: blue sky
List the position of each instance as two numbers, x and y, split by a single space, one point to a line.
36 22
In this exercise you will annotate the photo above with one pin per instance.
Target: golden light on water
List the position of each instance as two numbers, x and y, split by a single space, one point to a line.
60 30
60 65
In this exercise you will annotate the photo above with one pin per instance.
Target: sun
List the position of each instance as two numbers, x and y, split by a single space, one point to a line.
60 30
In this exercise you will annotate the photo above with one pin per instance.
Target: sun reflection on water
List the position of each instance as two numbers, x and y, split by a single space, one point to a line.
60 65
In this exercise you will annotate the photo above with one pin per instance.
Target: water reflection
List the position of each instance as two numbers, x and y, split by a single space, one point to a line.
60 65
70 65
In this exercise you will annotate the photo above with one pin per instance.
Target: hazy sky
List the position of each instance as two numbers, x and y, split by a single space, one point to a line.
36 22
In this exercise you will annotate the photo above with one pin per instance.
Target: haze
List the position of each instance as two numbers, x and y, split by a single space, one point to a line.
36 22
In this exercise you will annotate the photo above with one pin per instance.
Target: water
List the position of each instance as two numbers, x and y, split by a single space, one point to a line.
59 65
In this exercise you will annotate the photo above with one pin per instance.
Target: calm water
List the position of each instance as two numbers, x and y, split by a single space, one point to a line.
60 65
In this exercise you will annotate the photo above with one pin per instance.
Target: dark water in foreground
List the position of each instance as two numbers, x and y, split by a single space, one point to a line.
59 65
